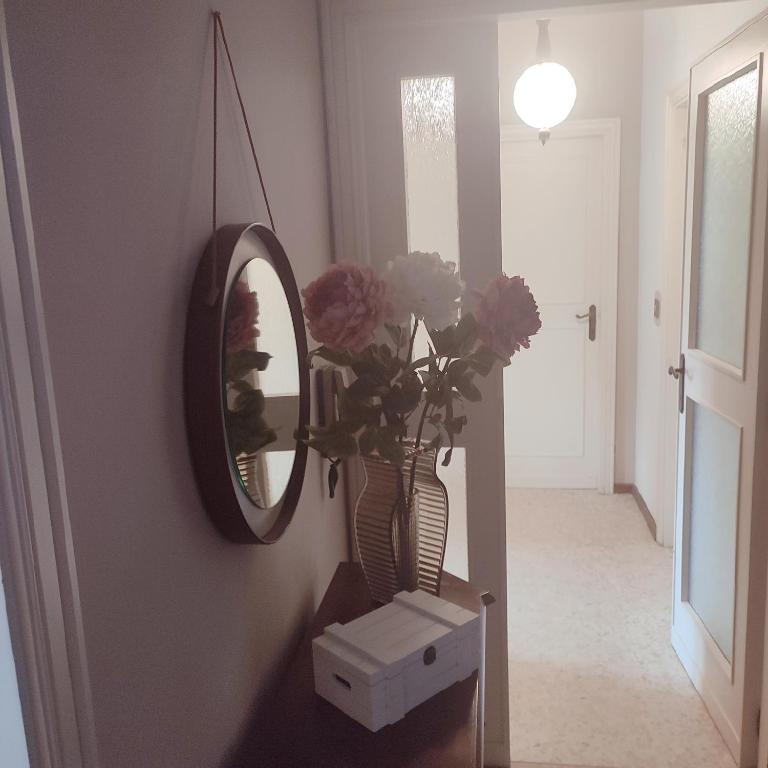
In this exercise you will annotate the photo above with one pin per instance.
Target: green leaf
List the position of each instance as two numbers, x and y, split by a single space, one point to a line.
482 360
466 333
352 408
368 440
457 369
456 424
372 370
445 341
339 445
468 390
366 387
466 324
333 478
390 364
390 449
393 431
237 364
404 396
422 361
449 408
251 401
397 333
332 356
247 431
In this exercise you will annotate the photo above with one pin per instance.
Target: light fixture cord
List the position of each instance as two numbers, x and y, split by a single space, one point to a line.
218 28
543 46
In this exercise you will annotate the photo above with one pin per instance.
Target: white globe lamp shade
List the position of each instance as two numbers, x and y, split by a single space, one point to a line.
544 96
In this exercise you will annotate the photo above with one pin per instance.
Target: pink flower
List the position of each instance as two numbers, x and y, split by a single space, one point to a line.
242 314
508 315
344 306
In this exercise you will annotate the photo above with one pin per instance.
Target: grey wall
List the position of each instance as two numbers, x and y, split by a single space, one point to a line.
183 629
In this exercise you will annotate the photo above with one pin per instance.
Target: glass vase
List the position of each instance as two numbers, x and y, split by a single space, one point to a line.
401 541
405 540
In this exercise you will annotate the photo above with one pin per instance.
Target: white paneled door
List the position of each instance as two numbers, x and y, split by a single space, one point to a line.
720 525
559 206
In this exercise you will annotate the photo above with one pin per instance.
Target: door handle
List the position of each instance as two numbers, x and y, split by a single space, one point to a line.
679 375
592 315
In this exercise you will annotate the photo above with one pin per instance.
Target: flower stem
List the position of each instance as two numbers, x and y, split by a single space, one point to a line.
409 359
422 419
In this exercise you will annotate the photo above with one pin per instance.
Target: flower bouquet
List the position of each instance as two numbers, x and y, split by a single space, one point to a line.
396 406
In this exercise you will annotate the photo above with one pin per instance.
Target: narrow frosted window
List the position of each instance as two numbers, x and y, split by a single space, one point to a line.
429 150
730 117
431 187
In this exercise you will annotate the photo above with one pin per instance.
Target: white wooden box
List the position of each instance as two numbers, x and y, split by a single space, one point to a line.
378 667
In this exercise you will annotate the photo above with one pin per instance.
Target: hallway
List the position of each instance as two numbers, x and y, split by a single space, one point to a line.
594 680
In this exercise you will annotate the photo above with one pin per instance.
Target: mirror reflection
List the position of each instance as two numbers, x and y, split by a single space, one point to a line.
261 383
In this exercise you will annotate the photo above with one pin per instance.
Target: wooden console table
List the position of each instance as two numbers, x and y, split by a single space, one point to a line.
301 730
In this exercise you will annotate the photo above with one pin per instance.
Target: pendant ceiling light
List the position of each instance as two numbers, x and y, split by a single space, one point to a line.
545 93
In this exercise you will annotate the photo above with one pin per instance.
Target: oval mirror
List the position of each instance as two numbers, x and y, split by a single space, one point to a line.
249 464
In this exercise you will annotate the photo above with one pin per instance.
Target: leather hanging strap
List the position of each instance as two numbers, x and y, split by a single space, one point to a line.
218 29
213 291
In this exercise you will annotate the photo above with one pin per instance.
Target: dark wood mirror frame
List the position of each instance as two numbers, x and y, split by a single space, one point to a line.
236 244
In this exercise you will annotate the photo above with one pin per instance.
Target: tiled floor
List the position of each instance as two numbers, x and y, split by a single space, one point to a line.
594 680
550 765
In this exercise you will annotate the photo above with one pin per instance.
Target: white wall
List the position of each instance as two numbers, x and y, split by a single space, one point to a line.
604 54
184 630
13 745
673 39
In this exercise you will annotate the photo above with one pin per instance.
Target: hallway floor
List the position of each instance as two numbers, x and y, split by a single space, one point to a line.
594 680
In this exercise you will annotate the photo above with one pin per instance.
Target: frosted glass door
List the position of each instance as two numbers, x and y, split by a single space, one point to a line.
719 556
729 117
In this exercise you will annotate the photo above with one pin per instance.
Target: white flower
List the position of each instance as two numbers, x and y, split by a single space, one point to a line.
423 285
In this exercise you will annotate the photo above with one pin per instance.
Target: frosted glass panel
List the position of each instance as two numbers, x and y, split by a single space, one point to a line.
712 513
429 150
729 114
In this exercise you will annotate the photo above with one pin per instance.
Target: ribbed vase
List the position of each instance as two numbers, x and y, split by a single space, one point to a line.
401 542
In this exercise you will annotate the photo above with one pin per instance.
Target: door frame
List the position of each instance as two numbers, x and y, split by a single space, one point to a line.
673 265
36 548
342 21
608 130
751 555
